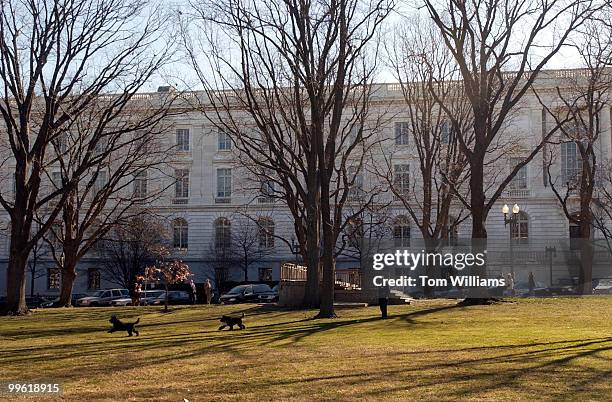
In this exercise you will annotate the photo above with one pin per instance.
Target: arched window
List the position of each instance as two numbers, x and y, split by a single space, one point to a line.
401 231
519 230
223 234
266 232
355 232
181 234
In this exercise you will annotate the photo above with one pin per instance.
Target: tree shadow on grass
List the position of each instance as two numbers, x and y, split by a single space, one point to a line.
281 332
450 371
193 344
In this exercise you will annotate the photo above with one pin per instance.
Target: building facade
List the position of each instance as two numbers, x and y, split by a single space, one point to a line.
208 201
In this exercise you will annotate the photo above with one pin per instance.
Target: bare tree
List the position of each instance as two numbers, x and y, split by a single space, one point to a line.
602 214
365 233
300 85
500 48
428 77
128 248
38 252
113 187
57 59
580 103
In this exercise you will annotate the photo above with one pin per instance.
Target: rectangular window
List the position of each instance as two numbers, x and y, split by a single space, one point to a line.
224 141
267 191
519 181
571 162
356 189
402 129
182 139
61 143
99 182
446 132
53 278
56 180
93 279
181 184
181 235
401 236
140 184
101 145
265 274
224 184
401 178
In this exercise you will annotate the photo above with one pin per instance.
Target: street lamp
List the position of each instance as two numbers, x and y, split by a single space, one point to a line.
295 249
515 211
513 220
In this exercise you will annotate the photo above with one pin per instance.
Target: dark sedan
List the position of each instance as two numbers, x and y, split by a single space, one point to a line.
257 293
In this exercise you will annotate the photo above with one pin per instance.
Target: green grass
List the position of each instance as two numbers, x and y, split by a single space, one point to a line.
534 349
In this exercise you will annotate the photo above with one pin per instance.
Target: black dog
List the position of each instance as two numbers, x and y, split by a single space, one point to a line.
231 321
119 325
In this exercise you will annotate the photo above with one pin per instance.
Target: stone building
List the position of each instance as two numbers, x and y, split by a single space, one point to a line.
208 195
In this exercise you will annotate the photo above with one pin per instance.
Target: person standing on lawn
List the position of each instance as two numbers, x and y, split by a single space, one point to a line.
531 284
510 283
208 291
193 295
383 300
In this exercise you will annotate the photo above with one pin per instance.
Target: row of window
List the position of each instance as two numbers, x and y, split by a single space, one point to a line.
183 141
402 132
223 240
54 278
519 230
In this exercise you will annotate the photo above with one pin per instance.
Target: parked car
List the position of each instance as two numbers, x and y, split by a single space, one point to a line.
604 286
564 286
258 292
178 297
75 297
103 297
147 298
522 289
152 297
35 301
174 297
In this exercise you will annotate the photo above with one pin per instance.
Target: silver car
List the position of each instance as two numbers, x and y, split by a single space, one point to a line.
103 297
147 298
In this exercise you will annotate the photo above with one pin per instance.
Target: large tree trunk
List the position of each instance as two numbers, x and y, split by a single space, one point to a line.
313 247
478 295
16 283
326 309
585 278
430 247
311 291
68 277
16 270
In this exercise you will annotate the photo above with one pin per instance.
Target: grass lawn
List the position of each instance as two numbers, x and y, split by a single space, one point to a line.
534 349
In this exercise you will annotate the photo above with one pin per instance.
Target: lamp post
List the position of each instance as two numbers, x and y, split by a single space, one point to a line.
550 252
511 220
295 249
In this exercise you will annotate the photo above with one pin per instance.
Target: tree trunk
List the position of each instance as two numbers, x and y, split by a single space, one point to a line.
166 299
16 270
430 247
326 310
33 274
478 295
311 290
585 278
16 284
68 277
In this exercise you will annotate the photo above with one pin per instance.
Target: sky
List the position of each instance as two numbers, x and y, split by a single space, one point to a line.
181 75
